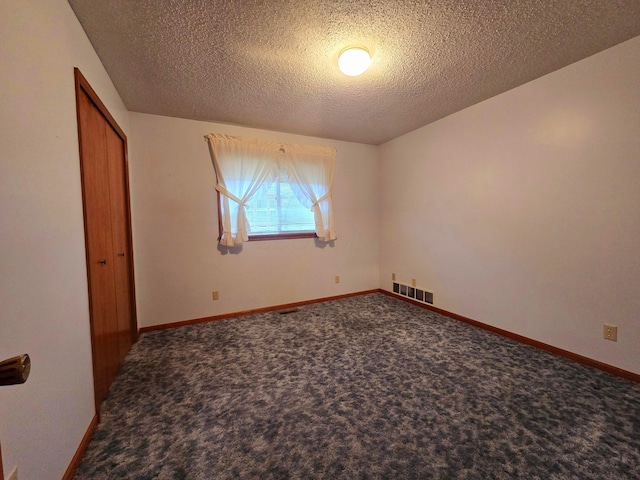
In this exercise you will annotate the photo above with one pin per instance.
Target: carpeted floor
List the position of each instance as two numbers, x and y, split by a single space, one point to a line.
364 387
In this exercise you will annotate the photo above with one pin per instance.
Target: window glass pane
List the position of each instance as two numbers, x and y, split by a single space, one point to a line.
275 209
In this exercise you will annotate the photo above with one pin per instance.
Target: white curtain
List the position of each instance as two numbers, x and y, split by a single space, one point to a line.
241 166
310 173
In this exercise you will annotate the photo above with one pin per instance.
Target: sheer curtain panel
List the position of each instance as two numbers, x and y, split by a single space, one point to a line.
310 174
241 166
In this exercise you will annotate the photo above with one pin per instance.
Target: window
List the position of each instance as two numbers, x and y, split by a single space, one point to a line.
269 190
274 210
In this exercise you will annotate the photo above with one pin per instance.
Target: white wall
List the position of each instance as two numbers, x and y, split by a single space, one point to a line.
43 286
177 259
523 211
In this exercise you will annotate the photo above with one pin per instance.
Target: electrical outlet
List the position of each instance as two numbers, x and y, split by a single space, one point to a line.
13 475
393 277
337 279
215 295
413 282
610 332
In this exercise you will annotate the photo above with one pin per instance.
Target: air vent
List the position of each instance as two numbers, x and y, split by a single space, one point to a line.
288 310
415 293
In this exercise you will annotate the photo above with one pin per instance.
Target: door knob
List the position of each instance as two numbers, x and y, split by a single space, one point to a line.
15 370
103 262
121 254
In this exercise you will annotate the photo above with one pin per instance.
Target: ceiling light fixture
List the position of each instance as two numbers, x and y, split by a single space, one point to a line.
354 61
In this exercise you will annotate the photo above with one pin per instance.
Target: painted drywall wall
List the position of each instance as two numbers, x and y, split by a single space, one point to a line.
43 285
174 211
522 211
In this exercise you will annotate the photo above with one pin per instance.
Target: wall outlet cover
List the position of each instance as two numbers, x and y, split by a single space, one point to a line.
610 332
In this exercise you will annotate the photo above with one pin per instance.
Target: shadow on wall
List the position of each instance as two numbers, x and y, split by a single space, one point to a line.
236 249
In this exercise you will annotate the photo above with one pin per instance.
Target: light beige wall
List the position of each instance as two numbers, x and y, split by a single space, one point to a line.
43 286
177 259
523 211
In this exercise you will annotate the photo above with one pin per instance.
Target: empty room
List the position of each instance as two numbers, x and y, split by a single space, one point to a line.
319 239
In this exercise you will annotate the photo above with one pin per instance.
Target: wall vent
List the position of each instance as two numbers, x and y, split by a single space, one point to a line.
415 293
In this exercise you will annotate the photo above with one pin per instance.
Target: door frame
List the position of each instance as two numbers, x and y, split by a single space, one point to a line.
82 86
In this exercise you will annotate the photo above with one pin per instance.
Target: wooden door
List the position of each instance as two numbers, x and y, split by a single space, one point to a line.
120 237
100 265
107 236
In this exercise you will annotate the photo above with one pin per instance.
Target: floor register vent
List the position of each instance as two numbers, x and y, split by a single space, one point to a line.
415 293
288 311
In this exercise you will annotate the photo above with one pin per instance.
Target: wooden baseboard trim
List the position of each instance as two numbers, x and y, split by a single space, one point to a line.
634 377
75 461
224 316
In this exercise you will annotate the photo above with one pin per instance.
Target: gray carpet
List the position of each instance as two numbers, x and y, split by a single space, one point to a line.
363 387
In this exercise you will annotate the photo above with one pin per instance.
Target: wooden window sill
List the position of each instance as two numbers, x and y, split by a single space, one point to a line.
282 236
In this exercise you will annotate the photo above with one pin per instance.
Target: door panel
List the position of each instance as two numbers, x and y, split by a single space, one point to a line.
120 236
99 245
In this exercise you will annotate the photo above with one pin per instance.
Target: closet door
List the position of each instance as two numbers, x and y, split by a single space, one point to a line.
107 237
120 236
99 242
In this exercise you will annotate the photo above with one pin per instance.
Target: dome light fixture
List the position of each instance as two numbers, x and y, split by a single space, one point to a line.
354 61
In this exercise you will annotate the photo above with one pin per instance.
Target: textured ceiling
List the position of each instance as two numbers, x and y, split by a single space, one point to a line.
273 64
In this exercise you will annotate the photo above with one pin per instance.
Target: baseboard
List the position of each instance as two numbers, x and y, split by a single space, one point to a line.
75 461
224 316
634 377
